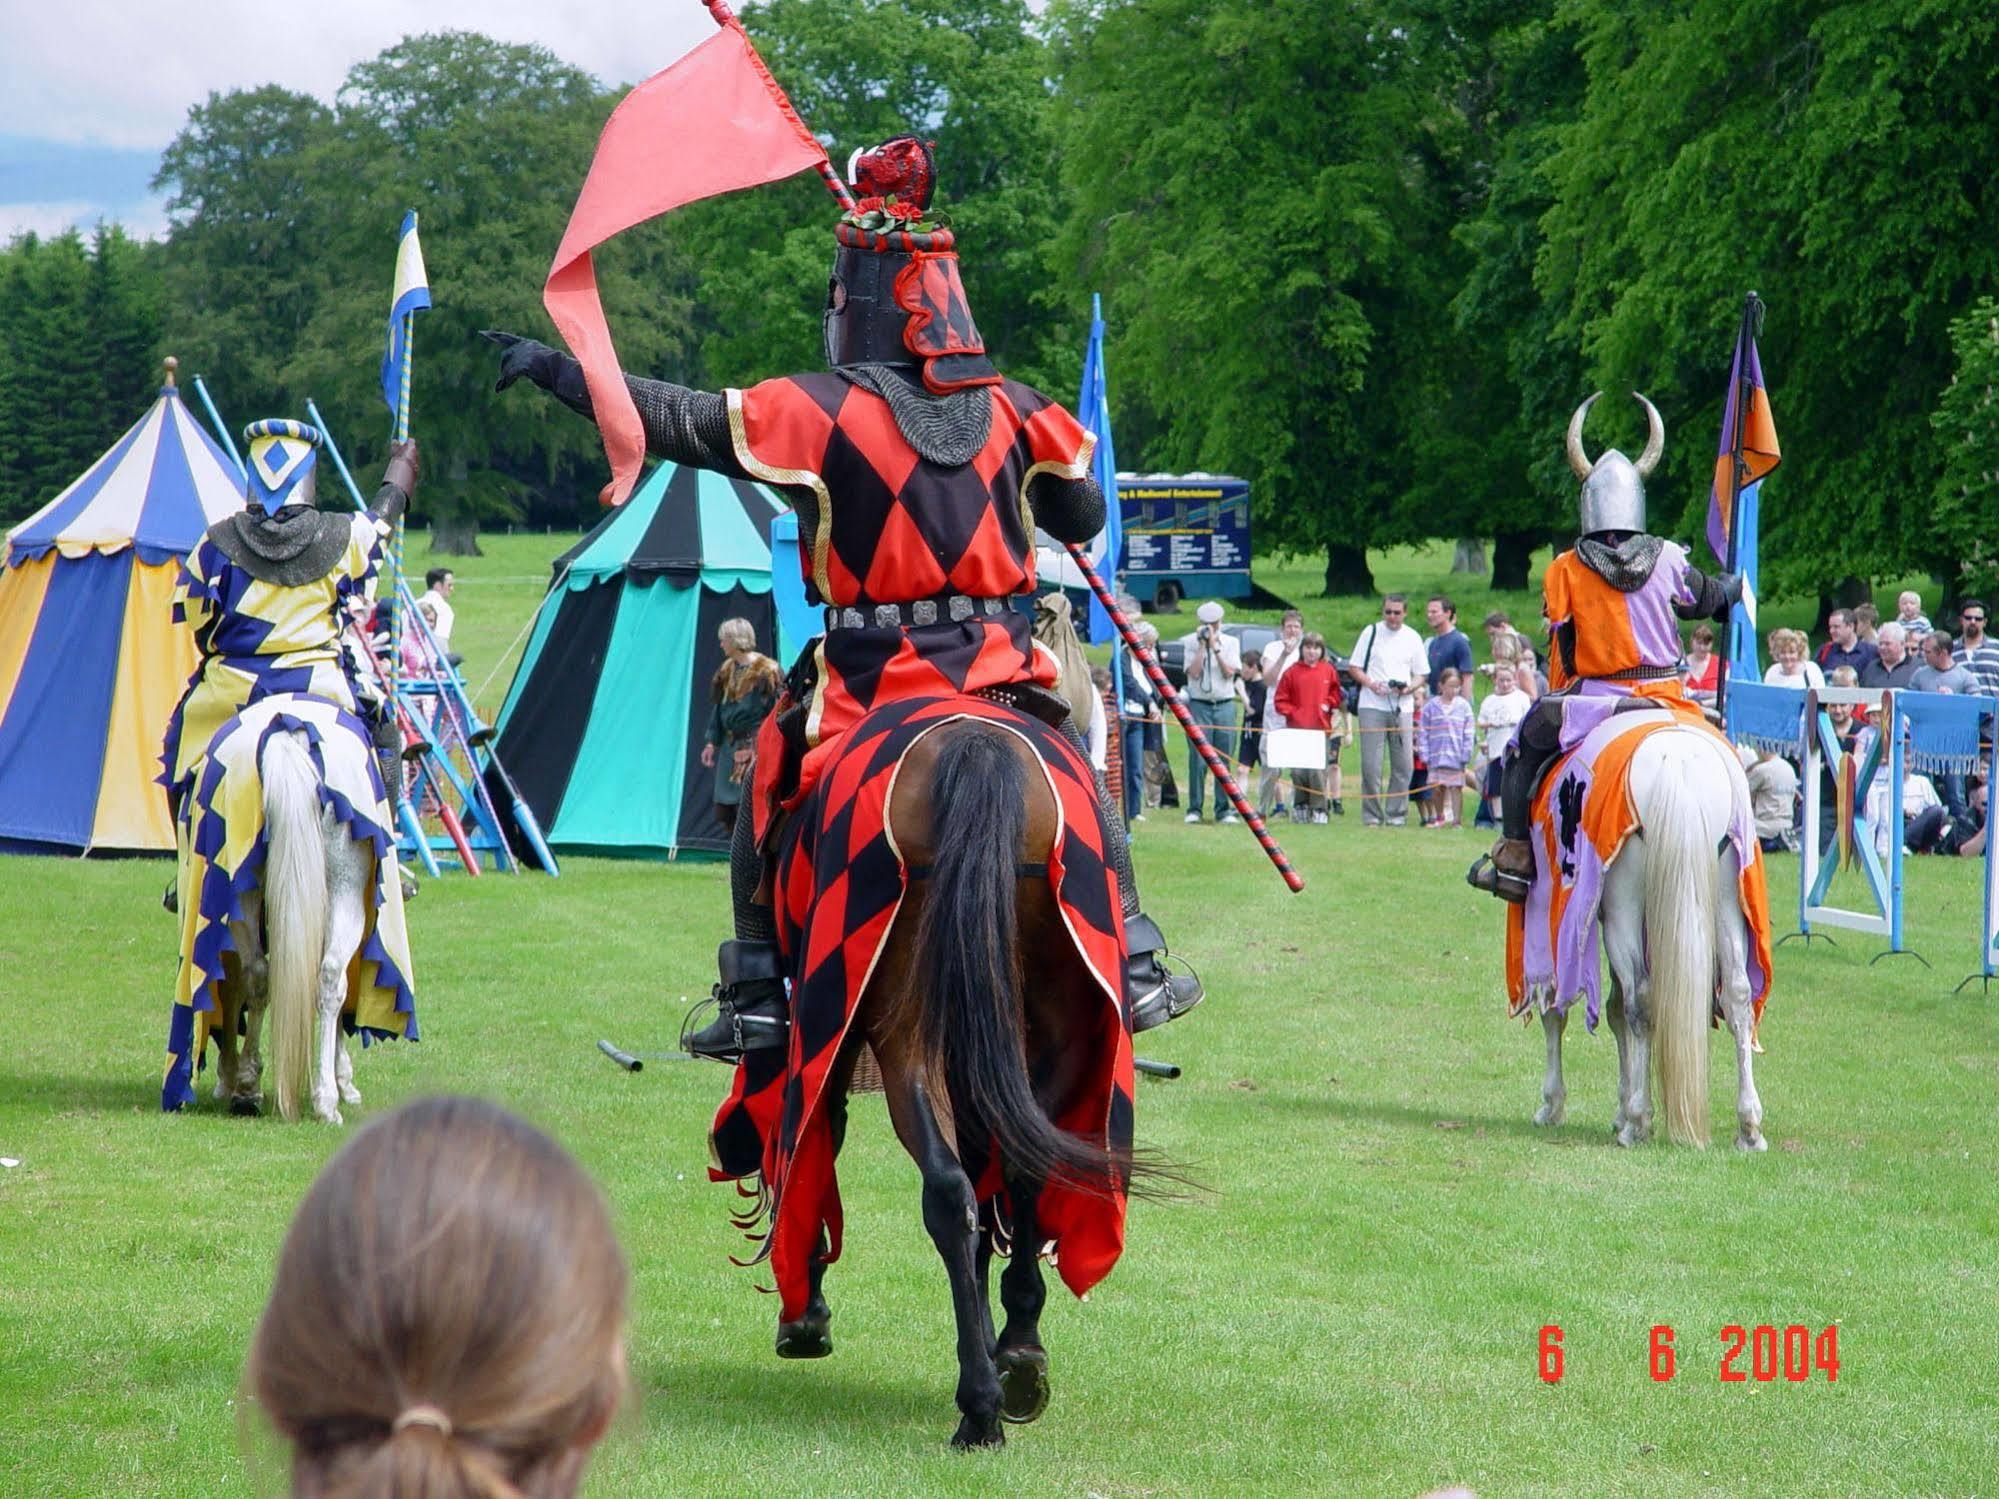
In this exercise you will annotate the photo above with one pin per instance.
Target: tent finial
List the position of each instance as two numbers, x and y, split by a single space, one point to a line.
172 365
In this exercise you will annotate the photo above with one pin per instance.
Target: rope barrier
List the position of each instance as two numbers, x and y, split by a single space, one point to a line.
535 614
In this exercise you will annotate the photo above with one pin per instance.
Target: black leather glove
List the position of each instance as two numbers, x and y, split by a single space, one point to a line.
524 357
1731 594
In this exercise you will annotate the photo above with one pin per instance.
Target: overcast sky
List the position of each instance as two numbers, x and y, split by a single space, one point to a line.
91 91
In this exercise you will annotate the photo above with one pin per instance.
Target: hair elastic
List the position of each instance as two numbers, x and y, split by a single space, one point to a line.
422 1415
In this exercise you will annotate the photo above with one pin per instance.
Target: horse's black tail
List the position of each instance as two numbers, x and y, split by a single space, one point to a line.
970 941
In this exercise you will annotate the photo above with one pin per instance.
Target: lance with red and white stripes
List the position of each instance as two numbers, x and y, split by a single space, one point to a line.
1217 767
1209 755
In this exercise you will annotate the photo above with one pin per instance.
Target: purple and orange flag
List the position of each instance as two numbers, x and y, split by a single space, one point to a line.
1748 436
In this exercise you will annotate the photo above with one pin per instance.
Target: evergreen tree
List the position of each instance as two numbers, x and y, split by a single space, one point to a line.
79 343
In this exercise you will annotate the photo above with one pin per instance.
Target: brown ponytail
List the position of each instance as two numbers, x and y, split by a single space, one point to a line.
446 1320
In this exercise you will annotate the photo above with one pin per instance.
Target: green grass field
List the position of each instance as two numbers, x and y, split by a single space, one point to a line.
1352 1305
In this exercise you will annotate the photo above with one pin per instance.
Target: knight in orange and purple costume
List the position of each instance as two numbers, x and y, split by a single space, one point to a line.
1614 603
919 474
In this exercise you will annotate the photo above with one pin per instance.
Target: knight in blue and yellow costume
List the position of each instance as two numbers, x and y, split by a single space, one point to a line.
266 592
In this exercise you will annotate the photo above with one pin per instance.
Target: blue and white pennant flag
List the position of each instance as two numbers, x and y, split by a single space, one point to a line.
412 292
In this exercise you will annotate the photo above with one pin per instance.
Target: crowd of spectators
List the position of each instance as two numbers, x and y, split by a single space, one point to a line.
1943 814
1432 721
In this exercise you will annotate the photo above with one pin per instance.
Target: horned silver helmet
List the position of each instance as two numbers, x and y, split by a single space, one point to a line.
1613 497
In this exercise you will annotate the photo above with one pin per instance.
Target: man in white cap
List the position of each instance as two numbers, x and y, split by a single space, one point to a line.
1214 662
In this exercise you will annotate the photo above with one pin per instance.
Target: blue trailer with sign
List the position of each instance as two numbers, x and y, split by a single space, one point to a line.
1184 534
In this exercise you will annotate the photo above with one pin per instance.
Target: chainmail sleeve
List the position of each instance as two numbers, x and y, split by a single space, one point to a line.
681 425
1067 509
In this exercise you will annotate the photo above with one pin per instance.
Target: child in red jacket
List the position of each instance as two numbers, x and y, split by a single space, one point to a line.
1308 697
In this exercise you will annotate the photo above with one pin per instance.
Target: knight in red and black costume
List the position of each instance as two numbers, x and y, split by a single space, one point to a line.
918 474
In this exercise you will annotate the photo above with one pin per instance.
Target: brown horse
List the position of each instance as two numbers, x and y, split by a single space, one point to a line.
985 1023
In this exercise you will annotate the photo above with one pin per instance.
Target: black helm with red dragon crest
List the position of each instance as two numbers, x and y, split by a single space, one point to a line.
895 296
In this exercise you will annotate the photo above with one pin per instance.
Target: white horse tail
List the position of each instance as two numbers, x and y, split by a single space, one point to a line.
294 911
1680 879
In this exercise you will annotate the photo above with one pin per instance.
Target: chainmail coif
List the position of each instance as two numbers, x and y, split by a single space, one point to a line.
947 430
1626 566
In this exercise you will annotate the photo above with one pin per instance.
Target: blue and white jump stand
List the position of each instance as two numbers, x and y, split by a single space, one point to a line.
1815 867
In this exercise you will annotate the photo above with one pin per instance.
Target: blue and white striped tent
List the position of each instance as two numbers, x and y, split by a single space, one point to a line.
91 663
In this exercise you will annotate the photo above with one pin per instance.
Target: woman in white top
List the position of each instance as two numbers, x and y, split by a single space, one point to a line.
1789 665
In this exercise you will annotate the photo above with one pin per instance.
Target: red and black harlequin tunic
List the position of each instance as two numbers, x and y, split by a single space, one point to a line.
893 527
881 524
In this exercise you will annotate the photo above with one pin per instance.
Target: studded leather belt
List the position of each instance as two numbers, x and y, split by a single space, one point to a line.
950 606
1641 674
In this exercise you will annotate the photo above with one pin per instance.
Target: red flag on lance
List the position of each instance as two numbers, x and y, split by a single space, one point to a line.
712 123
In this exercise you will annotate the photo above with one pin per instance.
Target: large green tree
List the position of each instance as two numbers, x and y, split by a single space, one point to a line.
1966 423
1494 458
1257 194
285 216
1828 155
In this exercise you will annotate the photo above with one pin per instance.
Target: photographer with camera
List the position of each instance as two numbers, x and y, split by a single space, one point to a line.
1387 658
1214 661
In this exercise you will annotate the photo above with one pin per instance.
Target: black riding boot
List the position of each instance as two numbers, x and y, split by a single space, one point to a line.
751 1010
1154 994
1508 870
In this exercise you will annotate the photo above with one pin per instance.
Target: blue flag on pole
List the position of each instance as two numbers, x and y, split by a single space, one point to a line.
1093 410
412 292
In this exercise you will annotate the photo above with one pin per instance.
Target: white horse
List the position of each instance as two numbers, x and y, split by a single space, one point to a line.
300 928
1670 897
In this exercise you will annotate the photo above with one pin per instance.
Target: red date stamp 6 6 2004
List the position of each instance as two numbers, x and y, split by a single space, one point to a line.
1763 1353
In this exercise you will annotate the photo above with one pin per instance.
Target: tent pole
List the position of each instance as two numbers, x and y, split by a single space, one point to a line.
452 697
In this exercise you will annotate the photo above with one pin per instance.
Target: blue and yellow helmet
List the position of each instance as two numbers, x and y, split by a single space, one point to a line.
282 457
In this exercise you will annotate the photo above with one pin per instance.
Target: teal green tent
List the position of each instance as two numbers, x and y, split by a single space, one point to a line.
603 725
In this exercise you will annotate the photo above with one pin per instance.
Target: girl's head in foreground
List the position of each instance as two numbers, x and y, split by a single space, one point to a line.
448 1314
